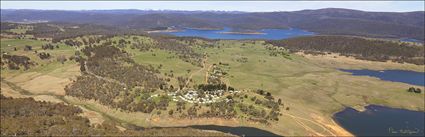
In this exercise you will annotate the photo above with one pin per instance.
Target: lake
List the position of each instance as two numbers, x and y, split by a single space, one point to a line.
381 121
239 131
270 34
411 40
409 77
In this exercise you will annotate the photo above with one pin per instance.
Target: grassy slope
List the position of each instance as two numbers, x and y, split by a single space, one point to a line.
312 92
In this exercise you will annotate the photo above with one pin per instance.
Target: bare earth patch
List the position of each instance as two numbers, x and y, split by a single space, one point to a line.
94 117
7 91
46 85
38 83
330 124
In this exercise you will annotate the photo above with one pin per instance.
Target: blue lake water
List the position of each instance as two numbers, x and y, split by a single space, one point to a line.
410 40
239 131
270 34
409 77
381 121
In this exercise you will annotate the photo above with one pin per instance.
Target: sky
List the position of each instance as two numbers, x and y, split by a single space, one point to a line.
248 6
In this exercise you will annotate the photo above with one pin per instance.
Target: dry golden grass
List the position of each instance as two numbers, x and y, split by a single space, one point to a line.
337 61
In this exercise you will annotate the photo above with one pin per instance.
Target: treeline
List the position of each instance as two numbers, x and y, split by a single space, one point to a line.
111 62
259 114
360 48
110 75
16 62
212 87
414 90
5 26
324 21
27 117
61 31
114 95
179 46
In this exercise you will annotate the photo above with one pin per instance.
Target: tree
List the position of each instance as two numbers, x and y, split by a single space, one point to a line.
44 55
279 101
27 48
261 92
418 90
269 96
411 89
82 66
170 112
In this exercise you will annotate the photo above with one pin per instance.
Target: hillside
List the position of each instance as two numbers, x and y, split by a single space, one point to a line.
360 48
323 21
27 117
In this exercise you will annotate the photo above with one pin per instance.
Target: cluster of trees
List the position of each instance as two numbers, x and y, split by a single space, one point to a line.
214 87
215 75
5 26
277 51
89 40
27 117
263 111
184 51
27 48
146 104
142 45
15 62
111 62
44 55
254 113
182 81
90 87
114 95
72 43
360 48
415 90
266 94
221 109
116 67
268 102
49 46
259 114
62 31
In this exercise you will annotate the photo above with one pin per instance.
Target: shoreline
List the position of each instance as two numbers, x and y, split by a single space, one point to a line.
364 108
204 28
160 31
243 33
337 61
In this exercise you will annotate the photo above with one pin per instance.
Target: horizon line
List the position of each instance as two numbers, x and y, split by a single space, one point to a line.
206 10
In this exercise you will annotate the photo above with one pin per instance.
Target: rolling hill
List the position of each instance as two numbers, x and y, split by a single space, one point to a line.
323 21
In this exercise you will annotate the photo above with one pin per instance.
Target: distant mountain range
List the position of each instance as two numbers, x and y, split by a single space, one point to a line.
330 21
